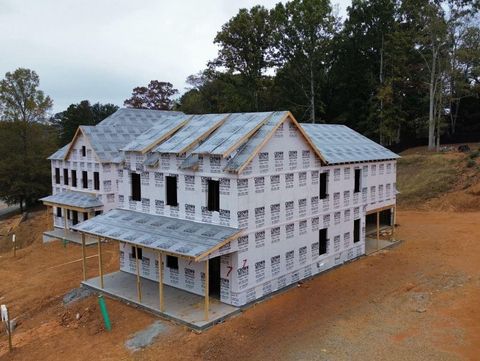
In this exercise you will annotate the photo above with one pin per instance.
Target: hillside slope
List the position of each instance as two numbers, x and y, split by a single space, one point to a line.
439 181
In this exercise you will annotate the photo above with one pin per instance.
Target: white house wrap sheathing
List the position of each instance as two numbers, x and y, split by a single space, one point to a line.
275 200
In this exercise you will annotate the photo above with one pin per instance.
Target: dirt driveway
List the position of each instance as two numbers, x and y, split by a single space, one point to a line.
418 301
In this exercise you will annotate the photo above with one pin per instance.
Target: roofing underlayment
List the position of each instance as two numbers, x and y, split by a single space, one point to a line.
74 199
171 235
340 144
138 118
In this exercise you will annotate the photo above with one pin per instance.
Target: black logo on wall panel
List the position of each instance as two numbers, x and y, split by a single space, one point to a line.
242 244
290 230
224 289
225 186
251 295
292 159
307 271
295 277
263 162
302 252
289 258
346 215
336 199
173 276
190 211
267 288
292 130
380 192
242 187
215 163
315 224
204 181
282 282
346 173
179 159
159 177
314 202
374 169
289 209
326 220
346 198
189 182
303 227
145 178
275 265
165 161
365 171
275 234
302 179
260 216
121 200
336 218
315 177
315 250
275 182
275 213
306 158
189 278
224 217
122 259
259 239
278 161
242 219
206 215
242 277
302 207
145 205
336 243
289 177
381 169
200 163
259 184
336 174
279 131
346 239
260 271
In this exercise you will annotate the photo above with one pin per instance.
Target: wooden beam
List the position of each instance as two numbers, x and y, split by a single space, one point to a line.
378 228
378 209
84 261
100 267
64 223
206 291
394 216
160 281
139 286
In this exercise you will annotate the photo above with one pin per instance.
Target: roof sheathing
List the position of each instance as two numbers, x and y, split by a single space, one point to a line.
74 199
339 144
181 237
237 128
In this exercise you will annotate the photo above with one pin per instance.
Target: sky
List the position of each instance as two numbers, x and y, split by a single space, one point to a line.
100 50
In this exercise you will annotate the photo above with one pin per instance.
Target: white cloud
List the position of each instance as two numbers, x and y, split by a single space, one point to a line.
100 50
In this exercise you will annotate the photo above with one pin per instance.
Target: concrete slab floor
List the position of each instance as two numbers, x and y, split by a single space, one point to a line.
181 306
372 245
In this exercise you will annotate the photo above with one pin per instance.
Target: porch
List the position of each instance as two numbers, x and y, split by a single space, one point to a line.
380 229
70 236
179 305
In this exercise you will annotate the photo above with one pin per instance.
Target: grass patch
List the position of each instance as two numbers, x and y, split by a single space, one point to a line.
422 177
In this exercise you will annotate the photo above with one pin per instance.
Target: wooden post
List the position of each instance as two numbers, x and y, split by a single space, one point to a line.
84 261
65 224
206 290
394 216
14 241
378 228
139 286
100 268
160 281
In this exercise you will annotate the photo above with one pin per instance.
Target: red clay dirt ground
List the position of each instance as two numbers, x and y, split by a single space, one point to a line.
417 301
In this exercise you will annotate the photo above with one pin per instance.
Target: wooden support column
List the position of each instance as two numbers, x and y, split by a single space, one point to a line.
378 228
139 286
65 223
206 290
84 261
100 268
160 281
394 216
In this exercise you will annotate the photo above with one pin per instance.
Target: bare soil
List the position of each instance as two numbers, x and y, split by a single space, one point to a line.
417 301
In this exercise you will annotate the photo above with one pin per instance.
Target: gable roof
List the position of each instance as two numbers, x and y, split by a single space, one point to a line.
339 144
138 118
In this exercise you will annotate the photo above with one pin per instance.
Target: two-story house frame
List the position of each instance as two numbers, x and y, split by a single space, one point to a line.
237 206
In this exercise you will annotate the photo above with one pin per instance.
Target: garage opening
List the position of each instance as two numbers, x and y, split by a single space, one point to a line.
386 219
379 229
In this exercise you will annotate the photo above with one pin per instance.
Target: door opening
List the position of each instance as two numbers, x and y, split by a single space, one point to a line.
214 277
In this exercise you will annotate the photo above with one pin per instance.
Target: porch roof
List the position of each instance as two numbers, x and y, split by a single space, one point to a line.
180 237
73 199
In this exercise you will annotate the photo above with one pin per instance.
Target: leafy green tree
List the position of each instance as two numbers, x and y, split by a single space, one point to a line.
25 141
157 95
82 113
245 43
20 98
303 35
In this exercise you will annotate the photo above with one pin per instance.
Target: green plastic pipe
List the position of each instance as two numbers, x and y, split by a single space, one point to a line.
103 309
